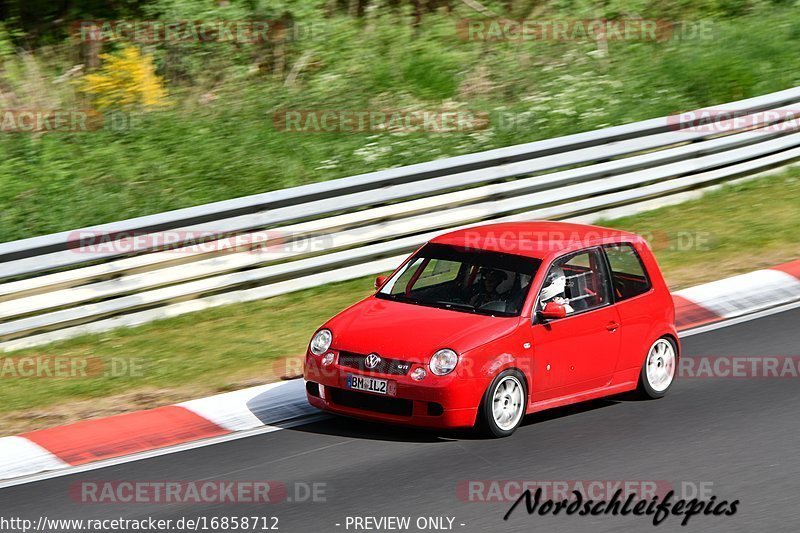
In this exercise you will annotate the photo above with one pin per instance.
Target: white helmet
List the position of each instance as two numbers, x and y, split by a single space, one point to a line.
554 284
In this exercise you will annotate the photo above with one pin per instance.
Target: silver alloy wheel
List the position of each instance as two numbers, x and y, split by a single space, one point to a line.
508 403
660 368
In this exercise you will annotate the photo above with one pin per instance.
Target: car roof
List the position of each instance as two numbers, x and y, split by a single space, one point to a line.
538 239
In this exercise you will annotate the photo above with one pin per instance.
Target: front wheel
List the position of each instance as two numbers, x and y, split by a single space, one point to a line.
503 404
658 370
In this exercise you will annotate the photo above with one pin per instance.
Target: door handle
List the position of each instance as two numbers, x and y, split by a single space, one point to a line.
612 326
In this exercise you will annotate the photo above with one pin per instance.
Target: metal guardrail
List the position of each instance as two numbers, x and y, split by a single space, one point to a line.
55 287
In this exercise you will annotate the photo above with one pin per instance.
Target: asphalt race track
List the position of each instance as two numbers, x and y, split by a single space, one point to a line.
741 435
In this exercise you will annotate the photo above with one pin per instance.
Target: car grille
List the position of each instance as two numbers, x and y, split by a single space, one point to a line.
371 402
394 367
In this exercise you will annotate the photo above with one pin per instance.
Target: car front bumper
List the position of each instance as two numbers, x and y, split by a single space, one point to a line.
435 402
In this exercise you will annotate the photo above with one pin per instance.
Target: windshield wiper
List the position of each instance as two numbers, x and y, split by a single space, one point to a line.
456 305
440 304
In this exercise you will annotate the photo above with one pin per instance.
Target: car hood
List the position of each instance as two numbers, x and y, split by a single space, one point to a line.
412 332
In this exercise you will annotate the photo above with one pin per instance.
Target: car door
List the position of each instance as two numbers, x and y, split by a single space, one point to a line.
632 288
579 352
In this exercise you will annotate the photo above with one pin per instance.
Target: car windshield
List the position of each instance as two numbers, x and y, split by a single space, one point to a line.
466 280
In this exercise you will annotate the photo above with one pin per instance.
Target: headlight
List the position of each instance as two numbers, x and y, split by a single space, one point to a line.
321 342
443 362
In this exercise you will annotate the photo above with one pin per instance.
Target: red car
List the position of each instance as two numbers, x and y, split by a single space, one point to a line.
483 325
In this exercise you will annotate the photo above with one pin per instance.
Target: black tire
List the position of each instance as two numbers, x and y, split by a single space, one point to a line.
646 390
486 419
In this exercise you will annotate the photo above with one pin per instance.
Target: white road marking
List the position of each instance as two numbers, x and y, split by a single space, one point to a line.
745 293
23 457
738 320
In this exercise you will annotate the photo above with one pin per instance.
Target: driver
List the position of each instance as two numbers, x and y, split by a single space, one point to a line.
491 278
553 291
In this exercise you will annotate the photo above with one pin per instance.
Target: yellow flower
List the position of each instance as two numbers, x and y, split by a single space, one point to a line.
125 80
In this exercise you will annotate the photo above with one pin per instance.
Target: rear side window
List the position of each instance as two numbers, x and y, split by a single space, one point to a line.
627 271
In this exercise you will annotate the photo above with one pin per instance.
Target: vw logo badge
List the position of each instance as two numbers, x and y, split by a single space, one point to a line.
372 360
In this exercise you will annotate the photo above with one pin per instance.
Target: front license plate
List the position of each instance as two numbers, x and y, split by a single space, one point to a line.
378 386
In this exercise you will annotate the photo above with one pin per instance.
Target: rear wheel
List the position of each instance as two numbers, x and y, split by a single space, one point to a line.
503 404
658 370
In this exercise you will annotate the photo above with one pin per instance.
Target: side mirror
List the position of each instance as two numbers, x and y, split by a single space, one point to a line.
379 281
554 311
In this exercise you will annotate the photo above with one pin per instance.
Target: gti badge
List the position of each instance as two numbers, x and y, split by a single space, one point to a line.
372 360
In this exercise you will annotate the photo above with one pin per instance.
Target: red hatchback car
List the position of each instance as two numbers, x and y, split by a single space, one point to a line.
482 325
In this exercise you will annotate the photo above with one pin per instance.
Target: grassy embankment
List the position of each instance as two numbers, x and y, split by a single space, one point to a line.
216 140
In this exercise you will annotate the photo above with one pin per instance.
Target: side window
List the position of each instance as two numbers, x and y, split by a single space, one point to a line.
577 281
627 272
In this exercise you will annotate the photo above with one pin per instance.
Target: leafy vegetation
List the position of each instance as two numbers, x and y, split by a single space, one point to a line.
216 138
126 80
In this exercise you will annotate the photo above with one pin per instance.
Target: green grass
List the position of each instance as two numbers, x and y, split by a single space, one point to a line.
194 152
740 228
